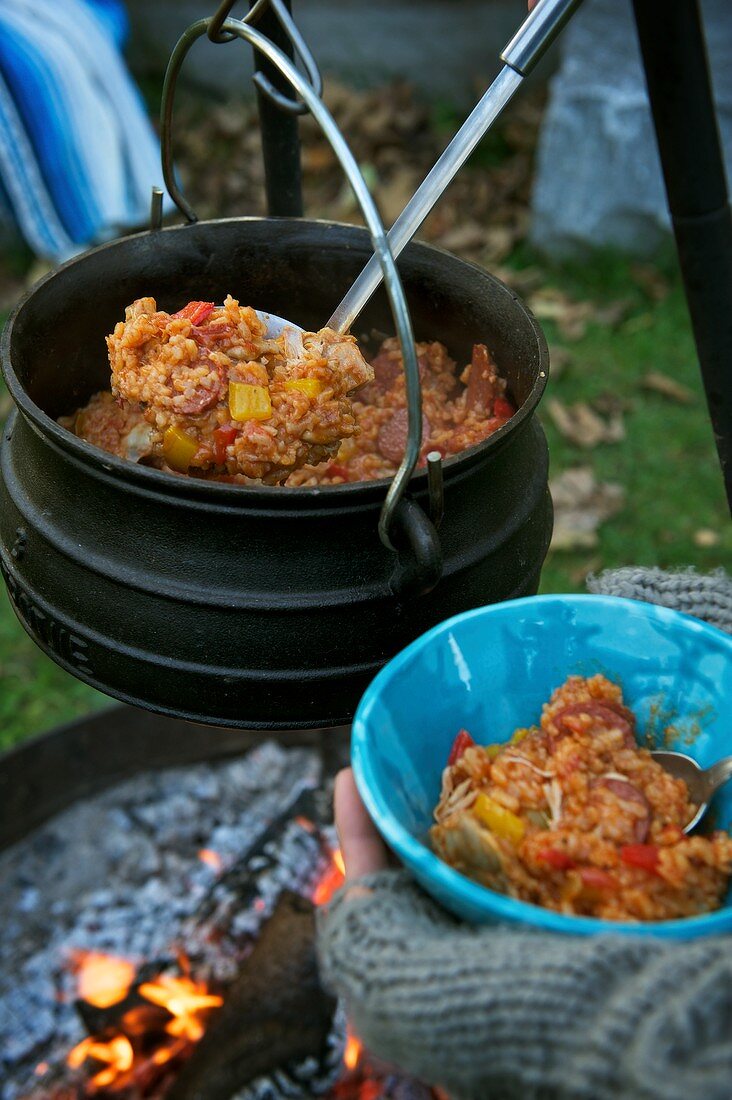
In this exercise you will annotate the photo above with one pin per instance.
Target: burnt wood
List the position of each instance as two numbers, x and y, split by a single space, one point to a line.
275 1013
249 606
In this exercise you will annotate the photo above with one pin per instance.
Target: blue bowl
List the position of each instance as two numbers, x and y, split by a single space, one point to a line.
490 670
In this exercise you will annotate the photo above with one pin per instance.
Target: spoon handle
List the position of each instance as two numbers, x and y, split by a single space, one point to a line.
536 33
717 775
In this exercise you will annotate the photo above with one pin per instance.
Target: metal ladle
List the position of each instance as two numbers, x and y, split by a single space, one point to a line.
520 56
703 783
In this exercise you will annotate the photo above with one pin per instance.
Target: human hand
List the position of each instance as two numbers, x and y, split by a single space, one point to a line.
505 1011
362 848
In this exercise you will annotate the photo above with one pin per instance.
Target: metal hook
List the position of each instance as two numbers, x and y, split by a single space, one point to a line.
300 48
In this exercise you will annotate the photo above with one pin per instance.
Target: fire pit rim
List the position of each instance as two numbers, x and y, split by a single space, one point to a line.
171 485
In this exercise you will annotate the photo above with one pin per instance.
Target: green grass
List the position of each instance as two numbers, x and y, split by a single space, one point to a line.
35 693
667 465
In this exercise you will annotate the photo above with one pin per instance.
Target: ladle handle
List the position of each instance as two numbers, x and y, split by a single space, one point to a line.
536 33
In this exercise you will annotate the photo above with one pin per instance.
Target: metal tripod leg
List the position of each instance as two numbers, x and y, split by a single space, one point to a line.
677 73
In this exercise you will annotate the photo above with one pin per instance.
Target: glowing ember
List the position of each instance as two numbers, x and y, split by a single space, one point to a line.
212 859
185 1004
352 1053
102 980
183 999
331 880
117 1053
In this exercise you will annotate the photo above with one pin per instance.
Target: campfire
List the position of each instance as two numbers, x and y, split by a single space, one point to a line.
214 992
156 1022
151 1026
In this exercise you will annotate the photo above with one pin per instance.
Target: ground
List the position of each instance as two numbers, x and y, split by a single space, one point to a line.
634 469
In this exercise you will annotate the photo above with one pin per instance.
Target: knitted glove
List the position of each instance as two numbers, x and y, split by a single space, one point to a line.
511 1014
707 597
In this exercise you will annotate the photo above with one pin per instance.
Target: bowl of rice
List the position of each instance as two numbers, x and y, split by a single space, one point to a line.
505 758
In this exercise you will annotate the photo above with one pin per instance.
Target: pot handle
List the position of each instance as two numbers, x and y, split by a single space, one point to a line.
421 568
418 550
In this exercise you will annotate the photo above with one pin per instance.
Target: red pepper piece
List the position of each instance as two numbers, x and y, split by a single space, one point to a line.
196 312
644 856
596 879
560 861
462 742
503 408
222 438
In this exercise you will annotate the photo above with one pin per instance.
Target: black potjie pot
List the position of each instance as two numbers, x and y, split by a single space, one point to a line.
259 607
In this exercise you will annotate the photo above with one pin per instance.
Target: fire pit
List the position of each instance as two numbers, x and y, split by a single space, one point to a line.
158 933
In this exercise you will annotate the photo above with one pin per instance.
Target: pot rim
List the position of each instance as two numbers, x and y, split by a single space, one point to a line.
102 462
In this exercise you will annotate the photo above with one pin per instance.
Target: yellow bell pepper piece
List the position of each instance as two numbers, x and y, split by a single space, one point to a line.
492 751
179 448
248 402
311 387
498 819
518 735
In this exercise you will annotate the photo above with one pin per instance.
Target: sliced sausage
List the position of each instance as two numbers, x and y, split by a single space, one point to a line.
626 792
392 438
482 381
610 715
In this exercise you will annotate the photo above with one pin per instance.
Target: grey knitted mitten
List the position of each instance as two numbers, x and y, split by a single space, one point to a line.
707 597
509 1014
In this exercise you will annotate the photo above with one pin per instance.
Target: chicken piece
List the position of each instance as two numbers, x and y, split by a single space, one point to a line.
114 426
223 399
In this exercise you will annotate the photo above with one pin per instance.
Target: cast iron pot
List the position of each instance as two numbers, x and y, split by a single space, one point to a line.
258 607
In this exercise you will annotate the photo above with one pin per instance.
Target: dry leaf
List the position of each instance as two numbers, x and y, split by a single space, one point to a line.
705 538
581 504
550 304
651 280
559 358
612 313
610 403
468 236
394 195
580 425
668 387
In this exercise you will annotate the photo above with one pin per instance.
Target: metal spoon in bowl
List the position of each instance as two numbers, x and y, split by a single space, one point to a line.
703 783
276 325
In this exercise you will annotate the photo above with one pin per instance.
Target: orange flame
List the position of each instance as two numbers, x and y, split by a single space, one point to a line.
333 877
102 980
183 999
117 1053
352 1053
212 859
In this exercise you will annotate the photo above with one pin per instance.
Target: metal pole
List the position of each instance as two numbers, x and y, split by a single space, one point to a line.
280 138
677 73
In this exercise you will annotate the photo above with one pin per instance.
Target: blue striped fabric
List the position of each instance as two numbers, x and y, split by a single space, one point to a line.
78 156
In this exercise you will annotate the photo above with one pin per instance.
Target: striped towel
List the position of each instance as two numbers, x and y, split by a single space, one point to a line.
78 156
